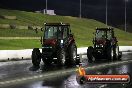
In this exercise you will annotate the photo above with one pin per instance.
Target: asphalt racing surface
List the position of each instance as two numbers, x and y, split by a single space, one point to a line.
18 74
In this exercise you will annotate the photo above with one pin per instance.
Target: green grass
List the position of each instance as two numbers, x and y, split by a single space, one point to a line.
82 28
19 33
29 44
19 44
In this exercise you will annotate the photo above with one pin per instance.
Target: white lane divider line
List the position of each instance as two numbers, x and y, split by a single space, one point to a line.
58 73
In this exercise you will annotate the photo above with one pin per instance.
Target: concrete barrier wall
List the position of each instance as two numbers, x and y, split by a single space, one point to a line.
26 53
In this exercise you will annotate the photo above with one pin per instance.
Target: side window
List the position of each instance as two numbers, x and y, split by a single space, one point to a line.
49 32
109 35
65 32
60 32
55 32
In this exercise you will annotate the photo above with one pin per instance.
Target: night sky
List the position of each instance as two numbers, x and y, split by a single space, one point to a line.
93 9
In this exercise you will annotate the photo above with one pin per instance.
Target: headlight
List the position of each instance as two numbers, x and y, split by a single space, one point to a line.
97 45
50 47
101 45
62 41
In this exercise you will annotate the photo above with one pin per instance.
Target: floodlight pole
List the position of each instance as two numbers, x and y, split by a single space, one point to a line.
126 15
46 7
80 15
106 17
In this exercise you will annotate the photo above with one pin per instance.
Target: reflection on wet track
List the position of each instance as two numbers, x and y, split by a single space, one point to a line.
18 69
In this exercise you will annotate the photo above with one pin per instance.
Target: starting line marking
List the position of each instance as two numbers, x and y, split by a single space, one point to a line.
59 73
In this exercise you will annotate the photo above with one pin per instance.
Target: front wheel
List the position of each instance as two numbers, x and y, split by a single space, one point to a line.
36 57
90 54
120 55
110 53
116 53
61 57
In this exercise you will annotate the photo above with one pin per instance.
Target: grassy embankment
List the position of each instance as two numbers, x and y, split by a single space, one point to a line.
82 28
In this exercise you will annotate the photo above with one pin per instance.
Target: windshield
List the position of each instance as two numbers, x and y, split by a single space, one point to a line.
60 32
100 34
51 32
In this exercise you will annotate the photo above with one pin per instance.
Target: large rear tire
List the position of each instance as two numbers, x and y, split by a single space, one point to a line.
116 52
110 53
72 60
36 57
61 57
120 55
90 54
